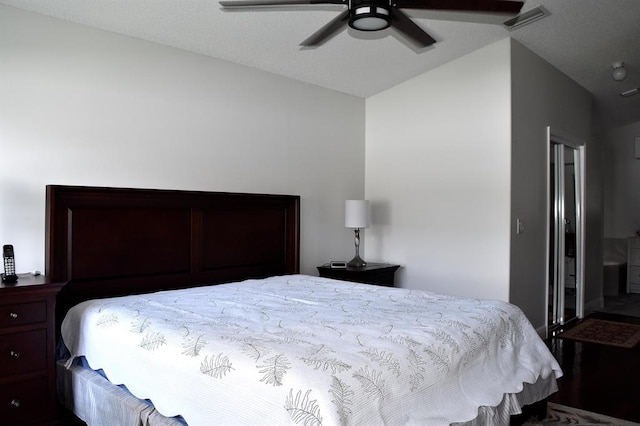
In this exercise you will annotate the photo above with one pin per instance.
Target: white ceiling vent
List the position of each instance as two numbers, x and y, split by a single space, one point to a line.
630 92
526 18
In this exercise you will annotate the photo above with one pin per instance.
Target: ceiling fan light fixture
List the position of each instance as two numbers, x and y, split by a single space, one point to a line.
370 18
376 15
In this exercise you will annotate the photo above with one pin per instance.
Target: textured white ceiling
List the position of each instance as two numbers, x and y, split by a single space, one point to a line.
582 38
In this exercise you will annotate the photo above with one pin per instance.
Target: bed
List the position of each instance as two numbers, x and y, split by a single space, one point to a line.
188 308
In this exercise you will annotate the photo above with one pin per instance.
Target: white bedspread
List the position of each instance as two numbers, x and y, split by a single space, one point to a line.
309 350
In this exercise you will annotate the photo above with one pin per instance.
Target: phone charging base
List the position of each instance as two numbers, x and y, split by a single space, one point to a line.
9 279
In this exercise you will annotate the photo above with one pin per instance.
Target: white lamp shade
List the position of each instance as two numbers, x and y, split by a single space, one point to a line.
356 213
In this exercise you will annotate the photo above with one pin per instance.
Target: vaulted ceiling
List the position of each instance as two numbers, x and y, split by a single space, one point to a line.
582 38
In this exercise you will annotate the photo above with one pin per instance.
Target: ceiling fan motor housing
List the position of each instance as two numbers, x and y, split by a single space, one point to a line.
369 15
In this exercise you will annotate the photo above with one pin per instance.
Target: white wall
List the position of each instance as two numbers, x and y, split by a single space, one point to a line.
82 106
438 174
543 96
622 182
455 156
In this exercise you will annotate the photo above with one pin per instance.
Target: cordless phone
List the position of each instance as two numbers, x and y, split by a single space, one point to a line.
9 275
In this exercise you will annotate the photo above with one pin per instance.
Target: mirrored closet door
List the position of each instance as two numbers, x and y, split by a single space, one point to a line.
566 231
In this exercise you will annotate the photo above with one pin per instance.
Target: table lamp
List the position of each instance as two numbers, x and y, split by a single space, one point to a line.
356 216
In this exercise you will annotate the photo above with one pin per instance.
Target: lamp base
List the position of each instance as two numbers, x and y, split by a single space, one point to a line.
357 262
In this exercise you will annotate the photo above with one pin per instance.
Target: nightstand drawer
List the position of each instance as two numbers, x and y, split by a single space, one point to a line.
23 313
22 402
23 352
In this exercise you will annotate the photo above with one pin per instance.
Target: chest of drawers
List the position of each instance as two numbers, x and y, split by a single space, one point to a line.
27 351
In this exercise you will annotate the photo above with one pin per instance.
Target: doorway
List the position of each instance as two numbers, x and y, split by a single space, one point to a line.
566 229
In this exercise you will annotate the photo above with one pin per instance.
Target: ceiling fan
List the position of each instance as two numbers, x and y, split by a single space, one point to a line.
376 15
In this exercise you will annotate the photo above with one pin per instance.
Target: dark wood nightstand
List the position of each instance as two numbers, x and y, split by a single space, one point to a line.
27 350
373 273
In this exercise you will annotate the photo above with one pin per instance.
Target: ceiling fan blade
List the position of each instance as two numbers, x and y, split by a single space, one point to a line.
489 6
411 30
328 30
259 3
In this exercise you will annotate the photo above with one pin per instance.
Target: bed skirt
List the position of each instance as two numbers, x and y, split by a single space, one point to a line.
96 401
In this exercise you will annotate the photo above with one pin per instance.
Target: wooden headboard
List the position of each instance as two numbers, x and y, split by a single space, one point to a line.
106 242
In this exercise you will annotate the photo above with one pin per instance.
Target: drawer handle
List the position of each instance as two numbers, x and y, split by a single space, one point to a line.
13 315
15 354
15 403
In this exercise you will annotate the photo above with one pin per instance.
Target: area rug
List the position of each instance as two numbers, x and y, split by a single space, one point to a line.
560 415
604 332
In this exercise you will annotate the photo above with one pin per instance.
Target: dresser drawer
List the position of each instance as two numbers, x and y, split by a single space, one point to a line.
23 352
635 243
23 313
634 257
23 402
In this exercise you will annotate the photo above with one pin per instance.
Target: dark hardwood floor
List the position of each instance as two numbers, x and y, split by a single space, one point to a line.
598 378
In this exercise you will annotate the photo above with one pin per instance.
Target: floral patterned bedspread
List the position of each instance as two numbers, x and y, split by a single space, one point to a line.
306 350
